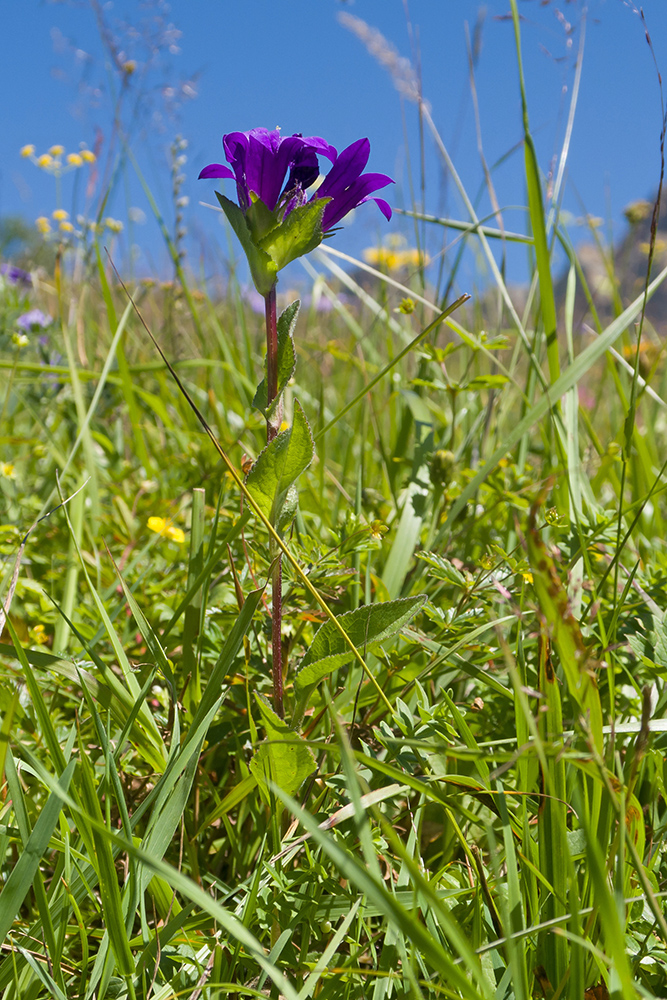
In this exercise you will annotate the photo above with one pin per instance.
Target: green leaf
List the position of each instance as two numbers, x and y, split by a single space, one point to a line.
279 466
300 233
262 267
284 758
286 359
366 626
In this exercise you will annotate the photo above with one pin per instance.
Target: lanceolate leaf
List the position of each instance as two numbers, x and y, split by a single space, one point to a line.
279 466
286 358
366 626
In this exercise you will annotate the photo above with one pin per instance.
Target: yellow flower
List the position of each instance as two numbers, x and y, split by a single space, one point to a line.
164 527
527 575
88 156
44 160
7 470
43 224
66 227
114 225
378 530
39 634
391 258
407 306
60 215
129 67
27 151
57 150
19 339
74 159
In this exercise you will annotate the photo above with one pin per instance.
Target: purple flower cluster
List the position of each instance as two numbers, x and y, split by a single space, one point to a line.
15 275
35 319
260 160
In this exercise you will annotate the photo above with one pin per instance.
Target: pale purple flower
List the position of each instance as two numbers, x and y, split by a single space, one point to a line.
260 162
15 275
34 319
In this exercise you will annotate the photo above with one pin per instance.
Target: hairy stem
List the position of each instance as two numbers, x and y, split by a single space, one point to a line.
272 426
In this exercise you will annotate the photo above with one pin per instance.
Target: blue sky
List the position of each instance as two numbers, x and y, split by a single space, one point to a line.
292 63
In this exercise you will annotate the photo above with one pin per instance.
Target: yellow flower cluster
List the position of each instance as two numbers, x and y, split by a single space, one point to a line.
53 159
394 255
163 526
60 216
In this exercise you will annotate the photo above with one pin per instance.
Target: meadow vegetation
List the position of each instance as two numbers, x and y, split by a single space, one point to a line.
466 797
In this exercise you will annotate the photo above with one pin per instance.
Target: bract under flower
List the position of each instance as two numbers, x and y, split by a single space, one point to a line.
274 220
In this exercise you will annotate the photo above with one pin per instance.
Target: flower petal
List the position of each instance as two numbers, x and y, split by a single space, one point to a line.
348 166
347 198
216 170
383 205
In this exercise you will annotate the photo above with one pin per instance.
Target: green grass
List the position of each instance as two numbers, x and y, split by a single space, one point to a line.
467 799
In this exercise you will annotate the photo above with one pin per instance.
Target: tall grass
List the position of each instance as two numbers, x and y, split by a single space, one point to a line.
470 802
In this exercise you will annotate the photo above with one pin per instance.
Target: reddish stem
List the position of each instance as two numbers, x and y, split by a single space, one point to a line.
271 431
271 358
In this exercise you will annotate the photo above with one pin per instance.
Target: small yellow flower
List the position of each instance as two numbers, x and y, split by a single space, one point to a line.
527 575
407 306
39 634
129 67
658 246
19 339
43 224
164 527
74 159
66 227
7 470
57 150
60 215
87 156
115 225
44 161
378 530
176 534
27 151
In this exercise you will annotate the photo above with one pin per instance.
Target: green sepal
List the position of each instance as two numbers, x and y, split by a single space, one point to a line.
260 220
286 359
279 465
297 235
262 267
284 758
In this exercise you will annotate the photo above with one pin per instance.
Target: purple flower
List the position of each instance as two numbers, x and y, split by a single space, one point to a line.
15 275
32 319
260 160
275 220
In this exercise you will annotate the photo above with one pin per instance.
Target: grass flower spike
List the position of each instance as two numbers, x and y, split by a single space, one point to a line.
275 220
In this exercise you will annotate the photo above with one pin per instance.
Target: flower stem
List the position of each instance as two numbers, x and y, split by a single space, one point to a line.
272 423
272 426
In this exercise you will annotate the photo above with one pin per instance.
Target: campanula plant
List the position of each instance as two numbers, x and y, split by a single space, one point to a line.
280 216
276 220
